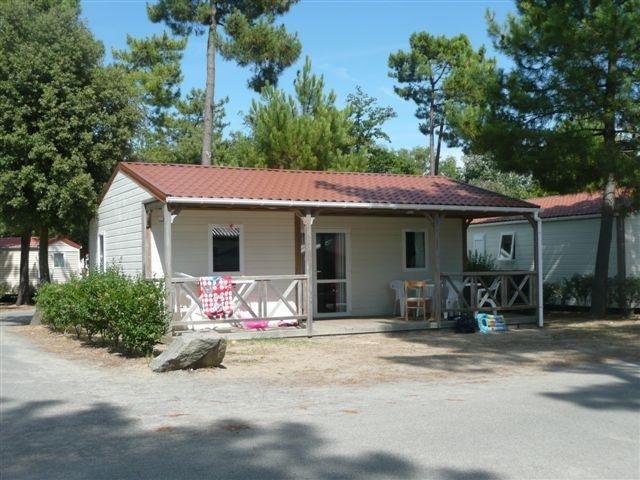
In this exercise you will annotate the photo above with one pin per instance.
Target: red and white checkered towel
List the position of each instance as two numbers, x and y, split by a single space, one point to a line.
216 296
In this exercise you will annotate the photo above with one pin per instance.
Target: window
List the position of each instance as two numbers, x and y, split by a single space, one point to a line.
101 256
415 249
478 244
58 260
226 248
507 246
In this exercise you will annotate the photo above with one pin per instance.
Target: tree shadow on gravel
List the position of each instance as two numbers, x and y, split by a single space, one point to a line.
486 354
621 394
47 439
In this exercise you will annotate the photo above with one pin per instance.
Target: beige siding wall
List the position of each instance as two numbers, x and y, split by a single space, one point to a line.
119 219
268 249
376 256
569 246
267 236
10 265
632 231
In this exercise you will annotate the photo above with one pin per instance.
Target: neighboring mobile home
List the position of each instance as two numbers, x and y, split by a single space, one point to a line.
571 225
178 222
64 261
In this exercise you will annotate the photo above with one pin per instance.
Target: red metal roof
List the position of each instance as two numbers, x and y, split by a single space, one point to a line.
555 206
214 182
14 242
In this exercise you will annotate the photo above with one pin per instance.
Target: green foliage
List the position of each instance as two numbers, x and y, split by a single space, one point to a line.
569 110
248 33
480 262
124 311
65 120
401 161
483 172
446 79
576 290
367 118
302 131
552 293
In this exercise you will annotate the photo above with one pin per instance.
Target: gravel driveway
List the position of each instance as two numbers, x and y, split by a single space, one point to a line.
64 419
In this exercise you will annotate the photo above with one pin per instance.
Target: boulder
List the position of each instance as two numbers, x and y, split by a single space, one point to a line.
36 319
192 350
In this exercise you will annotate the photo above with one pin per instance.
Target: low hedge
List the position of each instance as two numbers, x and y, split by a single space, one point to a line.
576 290
127 312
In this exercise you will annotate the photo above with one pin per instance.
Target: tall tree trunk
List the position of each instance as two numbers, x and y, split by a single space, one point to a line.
601 273
24 289
43 256
207 143
621 262
437 159
432 163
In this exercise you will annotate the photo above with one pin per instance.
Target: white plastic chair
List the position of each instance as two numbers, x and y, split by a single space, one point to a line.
485 295
398 287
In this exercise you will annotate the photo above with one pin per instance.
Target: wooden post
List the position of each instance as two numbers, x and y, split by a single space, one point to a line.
437 290
308 260
168 262
536 224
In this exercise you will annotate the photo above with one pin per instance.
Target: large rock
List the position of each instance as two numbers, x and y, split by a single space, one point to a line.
191 350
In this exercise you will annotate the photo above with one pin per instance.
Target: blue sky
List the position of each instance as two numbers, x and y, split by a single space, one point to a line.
348 42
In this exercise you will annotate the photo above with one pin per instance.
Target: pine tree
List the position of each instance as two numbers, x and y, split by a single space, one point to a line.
240 30
569 110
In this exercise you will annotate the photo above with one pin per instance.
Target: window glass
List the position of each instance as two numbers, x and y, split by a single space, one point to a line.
58 260
415 249
225 248
507 246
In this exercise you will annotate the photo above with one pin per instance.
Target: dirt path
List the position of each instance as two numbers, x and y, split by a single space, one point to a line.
379 358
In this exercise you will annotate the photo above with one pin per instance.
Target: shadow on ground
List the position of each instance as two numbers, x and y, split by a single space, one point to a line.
621 394
609 349
101 442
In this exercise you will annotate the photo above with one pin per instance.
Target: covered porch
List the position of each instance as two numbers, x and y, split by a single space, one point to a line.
297 297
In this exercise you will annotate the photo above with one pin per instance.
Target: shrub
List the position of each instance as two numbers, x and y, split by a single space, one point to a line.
577 289
480 262
631 288
553 293
127 312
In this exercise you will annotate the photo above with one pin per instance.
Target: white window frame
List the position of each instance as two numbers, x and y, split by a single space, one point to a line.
102 266
54 260
240 228
480 237
404 250
513 246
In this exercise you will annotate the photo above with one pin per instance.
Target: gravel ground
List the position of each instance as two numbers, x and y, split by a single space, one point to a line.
563 402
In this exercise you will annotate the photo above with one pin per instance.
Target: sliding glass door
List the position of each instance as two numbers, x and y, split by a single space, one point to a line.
332 278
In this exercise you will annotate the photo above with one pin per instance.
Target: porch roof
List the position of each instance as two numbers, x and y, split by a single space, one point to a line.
234 186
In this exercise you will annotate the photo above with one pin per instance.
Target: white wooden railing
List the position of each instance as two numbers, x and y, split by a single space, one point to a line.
488 291
262 297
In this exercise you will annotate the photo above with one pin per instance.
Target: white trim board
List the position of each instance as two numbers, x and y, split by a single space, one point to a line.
345 205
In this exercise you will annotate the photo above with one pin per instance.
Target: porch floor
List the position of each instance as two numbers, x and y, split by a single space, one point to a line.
354 325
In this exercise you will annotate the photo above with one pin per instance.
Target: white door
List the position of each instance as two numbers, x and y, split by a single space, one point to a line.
332 273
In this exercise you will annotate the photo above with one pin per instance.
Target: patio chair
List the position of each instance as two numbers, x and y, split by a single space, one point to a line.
486 295
415 298
398 303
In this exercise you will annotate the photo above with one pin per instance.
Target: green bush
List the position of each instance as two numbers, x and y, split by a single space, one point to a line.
126 312
578 288
631 288
553 293
480 262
